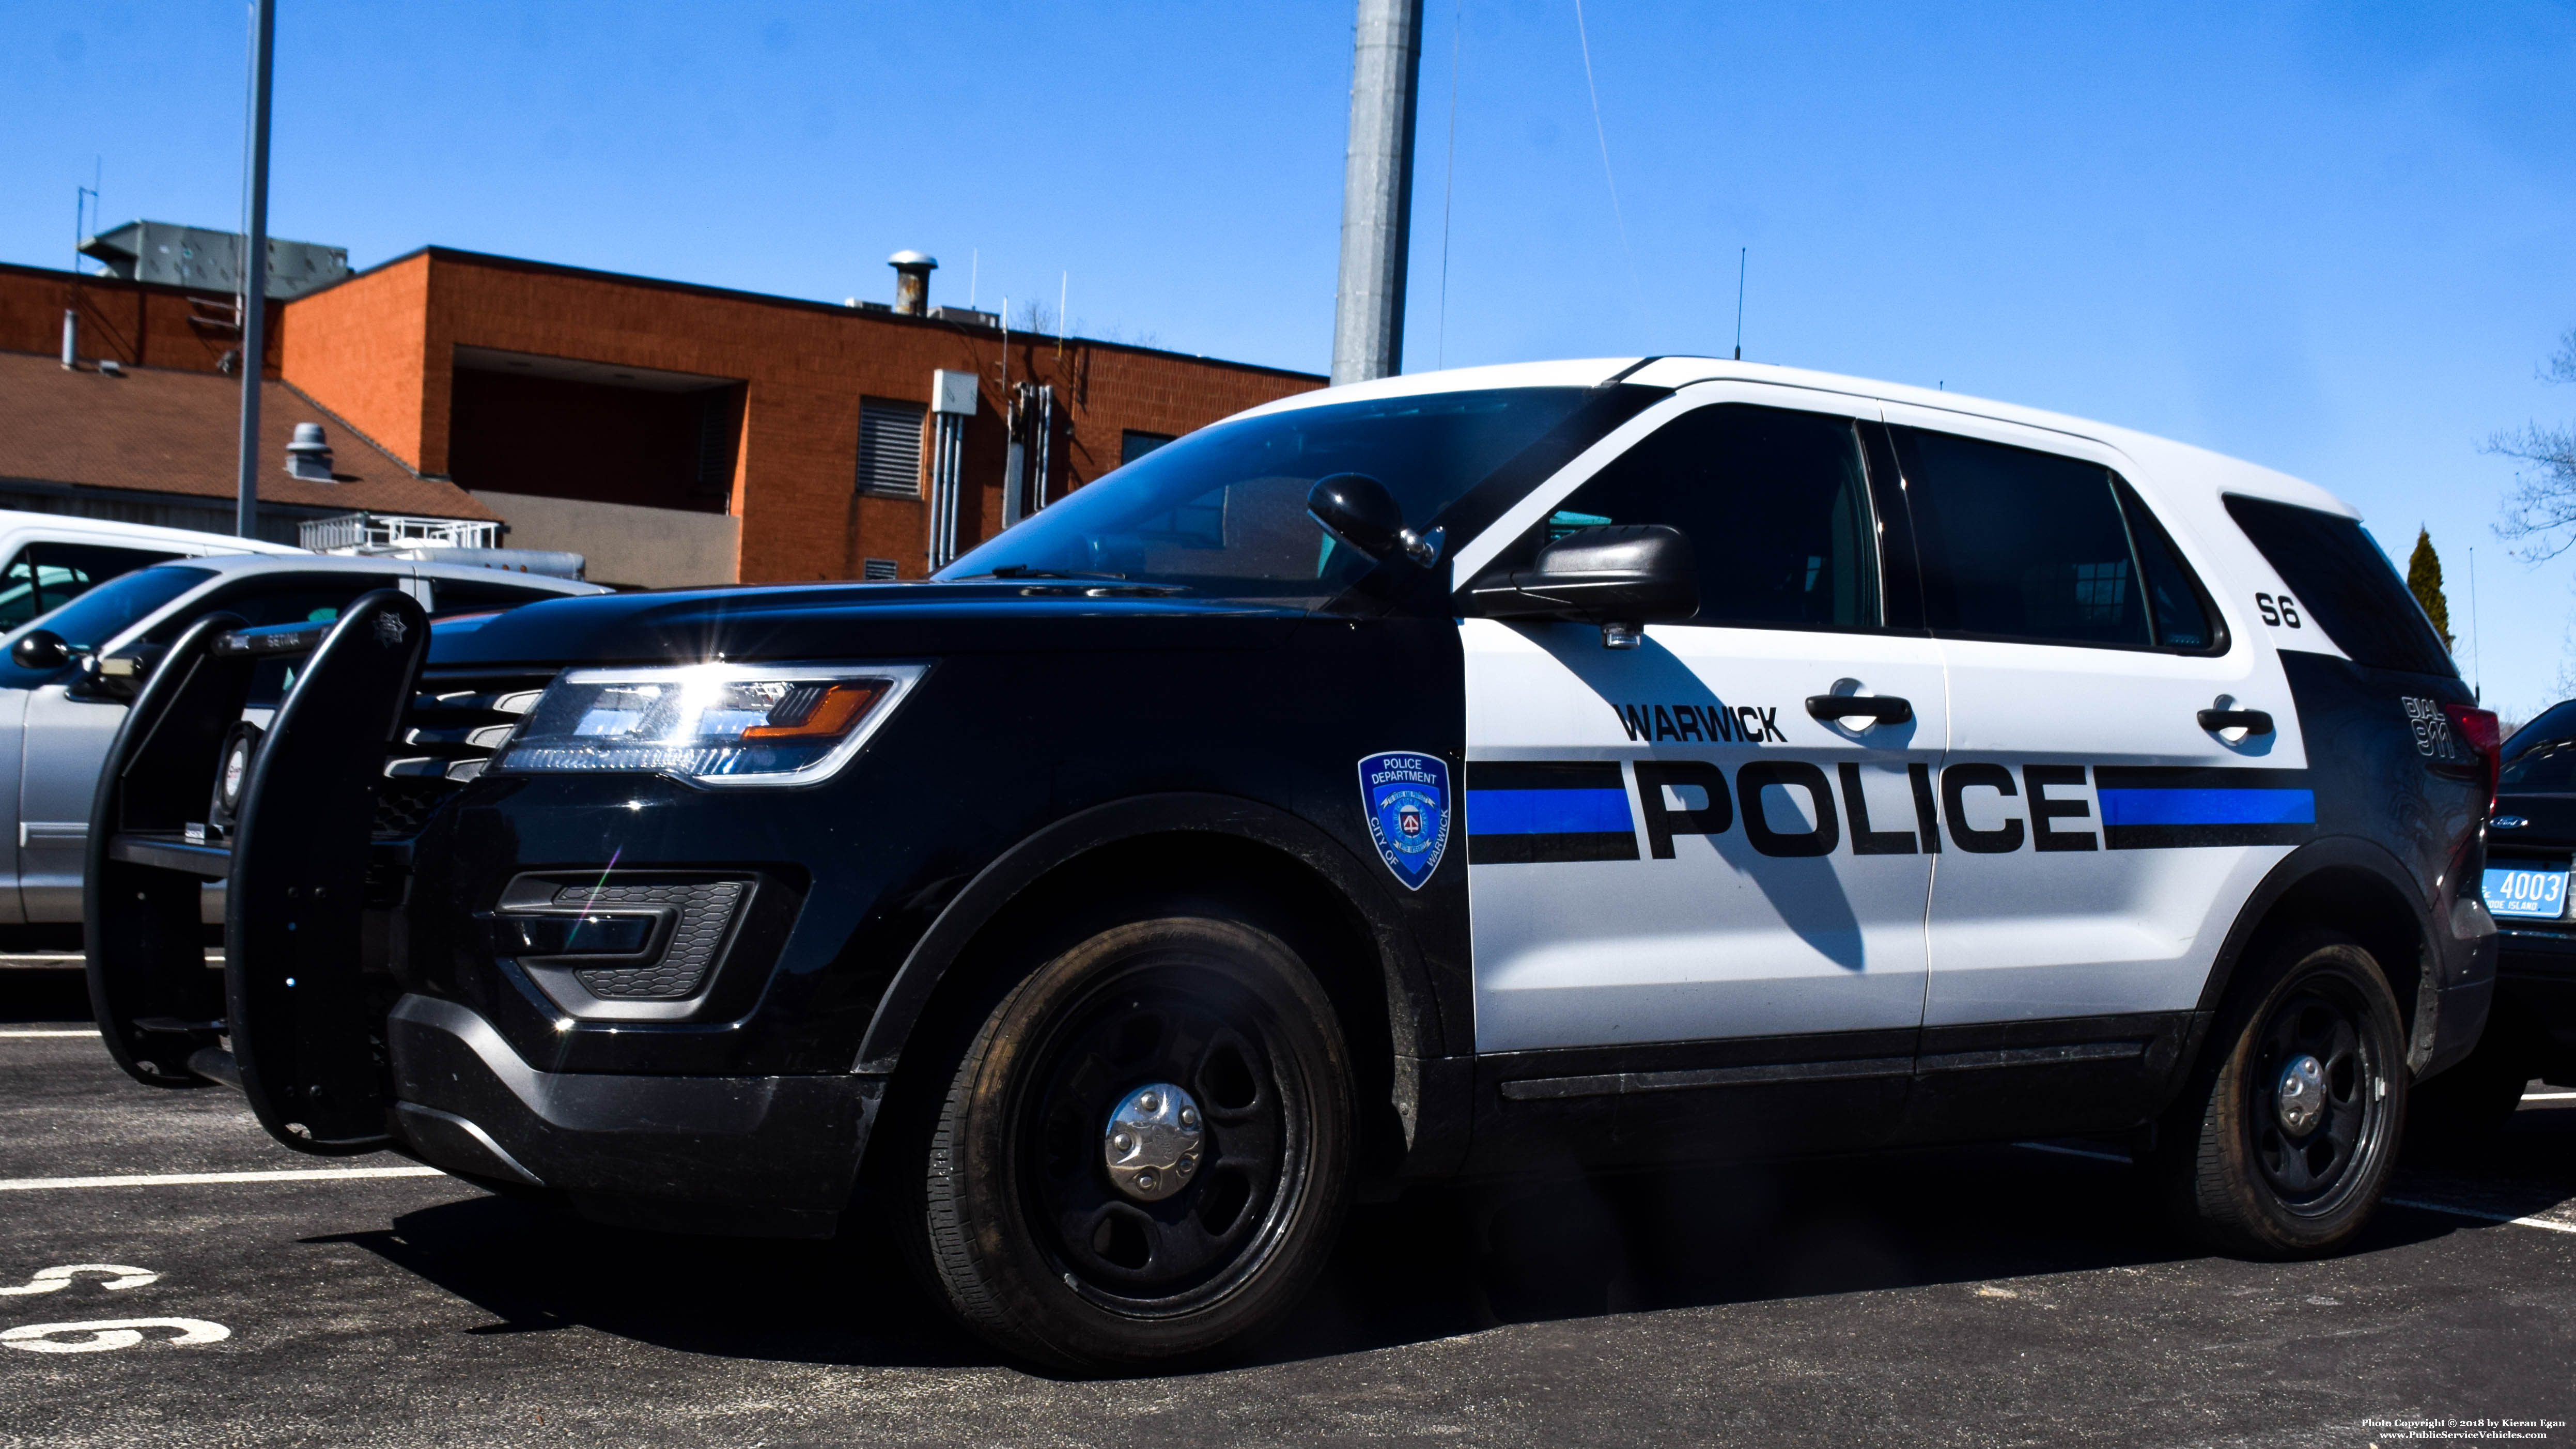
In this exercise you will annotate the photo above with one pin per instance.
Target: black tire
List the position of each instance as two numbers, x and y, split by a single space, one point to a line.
2237 1169
1032 1244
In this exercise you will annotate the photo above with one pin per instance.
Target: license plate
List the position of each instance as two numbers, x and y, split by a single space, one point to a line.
2529 894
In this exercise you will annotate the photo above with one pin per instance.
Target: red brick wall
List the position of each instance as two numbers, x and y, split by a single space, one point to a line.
379 350
359 349
138 324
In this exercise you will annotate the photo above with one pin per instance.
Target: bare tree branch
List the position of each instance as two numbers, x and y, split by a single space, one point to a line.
2541 510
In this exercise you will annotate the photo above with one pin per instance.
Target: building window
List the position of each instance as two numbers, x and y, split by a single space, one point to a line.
890 447
877 570
1133 445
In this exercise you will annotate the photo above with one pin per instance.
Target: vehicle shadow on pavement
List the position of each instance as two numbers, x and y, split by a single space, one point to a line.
537 1268
1429 1265
1457 1263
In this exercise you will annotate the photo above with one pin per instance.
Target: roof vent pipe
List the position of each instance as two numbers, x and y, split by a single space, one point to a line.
309 456
912 282
71 338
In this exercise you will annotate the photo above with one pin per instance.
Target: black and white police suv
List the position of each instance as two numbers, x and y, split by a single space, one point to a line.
1528 768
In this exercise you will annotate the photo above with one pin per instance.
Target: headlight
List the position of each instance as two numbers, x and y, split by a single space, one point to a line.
714 724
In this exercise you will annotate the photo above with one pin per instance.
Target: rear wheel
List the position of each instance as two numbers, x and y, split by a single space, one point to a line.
2283 1143
1141 1157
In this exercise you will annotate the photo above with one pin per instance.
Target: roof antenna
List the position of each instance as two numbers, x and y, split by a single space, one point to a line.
1741 253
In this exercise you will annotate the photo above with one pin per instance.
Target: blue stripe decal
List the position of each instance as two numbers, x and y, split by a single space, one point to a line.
1546 812
2208 807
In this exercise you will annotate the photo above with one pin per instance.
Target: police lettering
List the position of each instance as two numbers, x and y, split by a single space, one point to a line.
1714 724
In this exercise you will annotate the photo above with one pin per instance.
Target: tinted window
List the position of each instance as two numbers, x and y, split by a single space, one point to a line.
466 596
1775 503
2546 768
2344 585
2176 604
279 600
2557 722
1224 509
46 576
2019 544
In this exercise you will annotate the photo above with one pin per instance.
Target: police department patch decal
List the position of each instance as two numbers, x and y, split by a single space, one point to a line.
1405 796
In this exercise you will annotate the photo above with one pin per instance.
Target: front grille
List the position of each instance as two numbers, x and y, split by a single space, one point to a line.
448 737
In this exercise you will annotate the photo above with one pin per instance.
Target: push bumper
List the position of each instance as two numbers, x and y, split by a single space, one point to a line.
758 1156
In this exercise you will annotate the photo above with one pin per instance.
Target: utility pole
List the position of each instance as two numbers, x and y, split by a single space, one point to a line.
1377 191
255 268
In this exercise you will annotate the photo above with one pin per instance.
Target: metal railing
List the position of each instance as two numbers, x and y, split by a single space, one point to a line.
387 532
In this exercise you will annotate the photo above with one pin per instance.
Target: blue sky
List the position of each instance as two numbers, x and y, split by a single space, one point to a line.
2333 239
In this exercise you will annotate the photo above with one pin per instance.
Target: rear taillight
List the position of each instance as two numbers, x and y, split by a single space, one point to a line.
2479 730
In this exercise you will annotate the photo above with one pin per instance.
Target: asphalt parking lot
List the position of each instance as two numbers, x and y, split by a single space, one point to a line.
1994 1296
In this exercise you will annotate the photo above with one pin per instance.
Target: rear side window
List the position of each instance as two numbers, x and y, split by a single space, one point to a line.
460 596
2030 546
1775 503
2345 584
46 576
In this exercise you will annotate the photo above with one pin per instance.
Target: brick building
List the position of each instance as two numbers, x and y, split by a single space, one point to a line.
674 434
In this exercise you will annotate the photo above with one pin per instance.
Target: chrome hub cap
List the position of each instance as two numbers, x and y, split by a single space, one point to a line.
1153 1142
2300 1096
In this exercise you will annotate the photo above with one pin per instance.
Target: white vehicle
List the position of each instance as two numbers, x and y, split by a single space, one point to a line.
69 672
54 558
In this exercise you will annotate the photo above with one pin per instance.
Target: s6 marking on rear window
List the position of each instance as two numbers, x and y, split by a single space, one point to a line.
2345 584
2278 610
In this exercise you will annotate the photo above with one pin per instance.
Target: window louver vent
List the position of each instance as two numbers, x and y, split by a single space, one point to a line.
878 570
890 447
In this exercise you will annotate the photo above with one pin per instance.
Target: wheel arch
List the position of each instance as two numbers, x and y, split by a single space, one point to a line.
2357 887
1222 843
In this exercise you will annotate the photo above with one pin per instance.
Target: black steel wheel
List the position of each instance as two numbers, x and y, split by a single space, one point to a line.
1141 1157
2287 1136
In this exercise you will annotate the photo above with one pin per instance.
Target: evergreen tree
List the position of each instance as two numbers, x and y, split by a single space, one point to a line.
2424 580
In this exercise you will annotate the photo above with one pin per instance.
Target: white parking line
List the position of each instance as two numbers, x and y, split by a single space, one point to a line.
2549 1096
2551 1224
201 1179
15 1034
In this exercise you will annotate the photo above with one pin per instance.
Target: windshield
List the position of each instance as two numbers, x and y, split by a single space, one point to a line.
119 604
1223 511
103 613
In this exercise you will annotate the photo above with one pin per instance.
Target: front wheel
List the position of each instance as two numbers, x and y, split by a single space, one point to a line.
1142 1156
2289 1131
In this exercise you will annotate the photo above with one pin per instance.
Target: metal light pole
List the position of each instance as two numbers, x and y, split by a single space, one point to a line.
1377 191
255 270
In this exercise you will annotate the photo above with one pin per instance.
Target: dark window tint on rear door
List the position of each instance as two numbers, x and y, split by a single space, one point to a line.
2021 545
2345 585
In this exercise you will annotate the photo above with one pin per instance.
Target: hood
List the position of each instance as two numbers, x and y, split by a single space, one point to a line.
846 621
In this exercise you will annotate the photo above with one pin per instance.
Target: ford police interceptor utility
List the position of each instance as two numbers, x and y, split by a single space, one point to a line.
1535 767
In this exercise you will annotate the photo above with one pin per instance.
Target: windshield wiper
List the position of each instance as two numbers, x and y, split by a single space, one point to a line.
1024 571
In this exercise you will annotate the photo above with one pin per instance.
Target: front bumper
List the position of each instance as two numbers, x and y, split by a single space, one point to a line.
758 1156
2536 991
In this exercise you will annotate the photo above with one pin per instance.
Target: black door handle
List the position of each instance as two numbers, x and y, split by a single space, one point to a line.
2252 721
1882 708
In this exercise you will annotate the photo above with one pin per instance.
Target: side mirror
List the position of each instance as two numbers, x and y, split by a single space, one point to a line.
1358 510
1621 576
41 649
